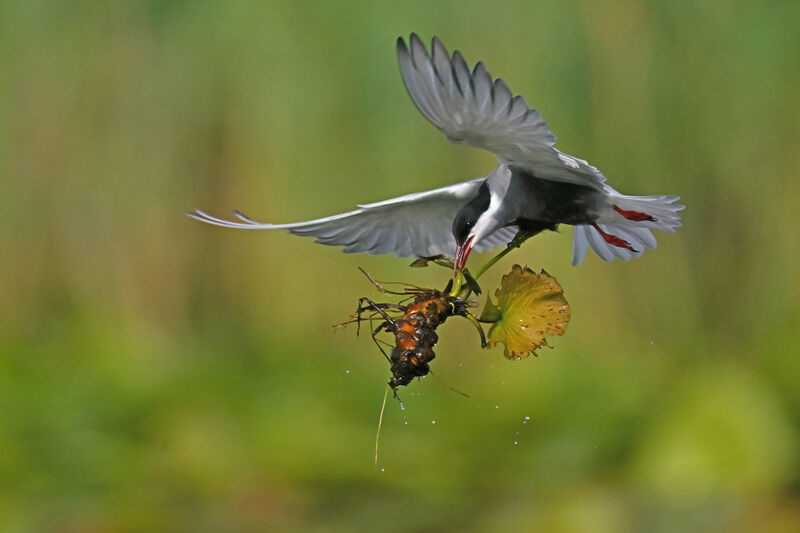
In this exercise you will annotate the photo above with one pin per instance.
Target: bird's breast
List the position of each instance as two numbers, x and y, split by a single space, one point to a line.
550 202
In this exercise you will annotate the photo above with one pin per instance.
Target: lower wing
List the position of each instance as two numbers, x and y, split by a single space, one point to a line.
418 224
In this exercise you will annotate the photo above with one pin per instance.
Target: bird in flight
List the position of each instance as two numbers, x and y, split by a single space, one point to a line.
536 187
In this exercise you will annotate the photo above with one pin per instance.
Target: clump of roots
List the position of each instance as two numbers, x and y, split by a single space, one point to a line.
413 322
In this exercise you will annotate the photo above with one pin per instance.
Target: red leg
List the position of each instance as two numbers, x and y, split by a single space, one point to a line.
615 241
634 215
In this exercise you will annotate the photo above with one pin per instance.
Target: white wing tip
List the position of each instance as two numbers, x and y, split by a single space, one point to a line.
247 222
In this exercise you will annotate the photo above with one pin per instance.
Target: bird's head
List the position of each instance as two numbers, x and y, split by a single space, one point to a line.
473 222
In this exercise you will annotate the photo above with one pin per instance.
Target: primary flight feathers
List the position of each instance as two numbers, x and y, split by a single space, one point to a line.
471 108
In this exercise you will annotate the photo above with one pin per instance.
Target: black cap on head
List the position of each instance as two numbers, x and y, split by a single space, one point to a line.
468 215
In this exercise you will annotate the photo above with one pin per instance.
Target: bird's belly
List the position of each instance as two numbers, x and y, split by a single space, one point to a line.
552 202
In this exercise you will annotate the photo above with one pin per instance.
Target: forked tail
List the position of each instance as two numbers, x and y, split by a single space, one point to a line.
625 230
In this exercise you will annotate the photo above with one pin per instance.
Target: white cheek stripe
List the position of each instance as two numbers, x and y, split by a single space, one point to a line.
485 225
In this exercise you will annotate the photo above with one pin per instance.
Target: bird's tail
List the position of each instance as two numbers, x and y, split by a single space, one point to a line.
625 230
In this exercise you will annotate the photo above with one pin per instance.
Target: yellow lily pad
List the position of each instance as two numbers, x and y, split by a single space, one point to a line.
529 305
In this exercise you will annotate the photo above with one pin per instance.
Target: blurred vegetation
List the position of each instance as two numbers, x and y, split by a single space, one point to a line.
157 374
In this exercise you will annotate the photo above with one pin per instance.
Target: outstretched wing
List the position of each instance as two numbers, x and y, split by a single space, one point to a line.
418 224
470 108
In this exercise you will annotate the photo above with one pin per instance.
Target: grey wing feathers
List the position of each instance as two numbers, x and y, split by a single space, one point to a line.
415 224
471 108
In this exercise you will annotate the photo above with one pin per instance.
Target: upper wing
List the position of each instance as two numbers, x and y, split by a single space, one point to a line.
417 224
470 108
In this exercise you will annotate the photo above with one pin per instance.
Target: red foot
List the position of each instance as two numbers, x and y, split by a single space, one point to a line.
634 215
615 241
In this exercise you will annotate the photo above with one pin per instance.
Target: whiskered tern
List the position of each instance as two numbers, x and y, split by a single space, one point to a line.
536 187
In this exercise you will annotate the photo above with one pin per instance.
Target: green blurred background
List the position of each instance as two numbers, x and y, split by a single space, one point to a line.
157 374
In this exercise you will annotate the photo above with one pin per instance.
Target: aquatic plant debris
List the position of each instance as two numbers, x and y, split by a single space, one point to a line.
529 305
413 325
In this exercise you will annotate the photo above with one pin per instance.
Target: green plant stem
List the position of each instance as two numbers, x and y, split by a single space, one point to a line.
492 261
458 284
516 242
476 322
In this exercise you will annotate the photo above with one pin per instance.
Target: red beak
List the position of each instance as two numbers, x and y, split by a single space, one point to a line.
461 255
